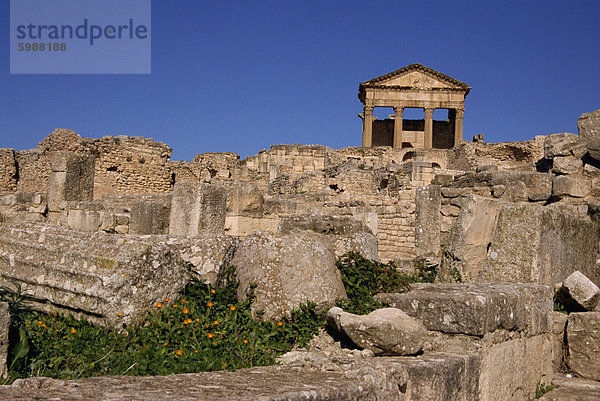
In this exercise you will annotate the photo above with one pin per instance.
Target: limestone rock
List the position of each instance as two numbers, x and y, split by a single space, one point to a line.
427 229
476 309
540 244
559 144
566 186
346 234
468 240
387 331
149 217
583 337
4 330
197 208
289 269
589 125
580 290
71 179
110 279
593 147
566 165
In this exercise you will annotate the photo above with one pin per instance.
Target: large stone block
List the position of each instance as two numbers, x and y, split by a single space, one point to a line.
589 125
511 370
4 339
563 186
149 217
567 165
583 337
84 220
579 292
427 228
346 234
476 309
469 238
197 208
560 144
288 269
540 244
245 200
110 280
71 179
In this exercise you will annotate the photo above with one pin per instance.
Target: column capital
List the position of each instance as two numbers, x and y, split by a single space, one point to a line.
459 113
398 109
429 110
368 109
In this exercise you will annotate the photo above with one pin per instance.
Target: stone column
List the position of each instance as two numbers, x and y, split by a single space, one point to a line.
428 143
458 127
398 127
367 134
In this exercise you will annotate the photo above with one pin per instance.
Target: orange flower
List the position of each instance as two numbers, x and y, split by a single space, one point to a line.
166 299
182 301
165 344
279 324
179 352
210 335
158 305
185 310
232 308
73 331
185 321
209 304
216 322
175 306
195 351
43 325
197 319
40 322
245 341
119 314
212 291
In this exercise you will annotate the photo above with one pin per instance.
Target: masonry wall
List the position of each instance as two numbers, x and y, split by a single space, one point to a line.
8 170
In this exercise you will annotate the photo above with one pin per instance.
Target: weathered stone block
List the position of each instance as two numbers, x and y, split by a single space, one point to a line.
84 220
557 335
469 238
289 269
245 200
540 244
197 208
567 165
579 291
583 337
589 125
8 170
477 309
387 331
4 340
567 186
560 144
111 280
511 370
427 227
71 179
149 217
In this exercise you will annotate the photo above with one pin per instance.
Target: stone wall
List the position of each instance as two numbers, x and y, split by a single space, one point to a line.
8 170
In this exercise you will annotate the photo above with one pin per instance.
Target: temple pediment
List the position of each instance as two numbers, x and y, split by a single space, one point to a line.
416 76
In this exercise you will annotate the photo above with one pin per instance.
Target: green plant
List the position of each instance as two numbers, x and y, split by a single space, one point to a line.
205 329
424 273
559 306
365 278
540 390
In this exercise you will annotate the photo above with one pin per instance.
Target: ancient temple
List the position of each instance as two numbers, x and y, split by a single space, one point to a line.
414 86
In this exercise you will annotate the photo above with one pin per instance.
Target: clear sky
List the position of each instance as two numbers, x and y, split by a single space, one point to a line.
243 75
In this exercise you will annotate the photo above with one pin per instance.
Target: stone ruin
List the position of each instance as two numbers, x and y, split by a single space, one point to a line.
87 223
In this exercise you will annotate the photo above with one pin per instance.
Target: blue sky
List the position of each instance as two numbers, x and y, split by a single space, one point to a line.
241 76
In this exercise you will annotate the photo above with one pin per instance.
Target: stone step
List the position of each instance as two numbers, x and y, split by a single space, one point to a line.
477 308
110 280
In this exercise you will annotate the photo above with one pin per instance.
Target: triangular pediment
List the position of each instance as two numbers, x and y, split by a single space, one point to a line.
416 76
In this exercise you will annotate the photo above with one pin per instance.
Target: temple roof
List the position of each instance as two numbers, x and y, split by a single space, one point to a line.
416 76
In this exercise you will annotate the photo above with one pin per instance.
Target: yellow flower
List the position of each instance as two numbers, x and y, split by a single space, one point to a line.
158 305
195 351
43 325
197 319
209 304
119 314
185 310
245 341
179 352
232 308
165 344
212 291
210 335
216 322
73 331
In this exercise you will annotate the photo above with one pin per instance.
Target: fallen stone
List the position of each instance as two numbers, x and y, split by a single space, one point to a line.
583 337
560 144
563 186
567 165
387 331
110 280
540 244
477 308
288 269
579 291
